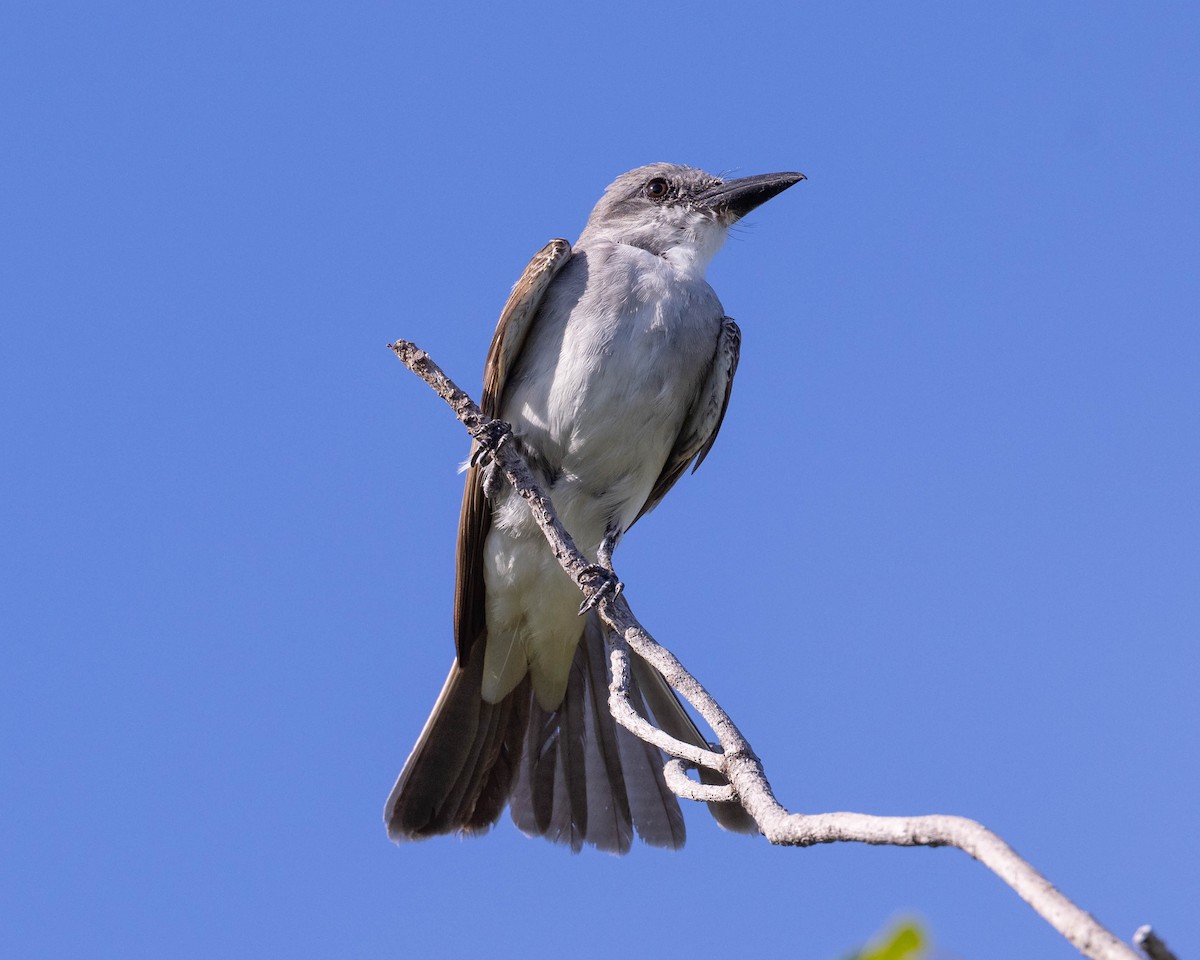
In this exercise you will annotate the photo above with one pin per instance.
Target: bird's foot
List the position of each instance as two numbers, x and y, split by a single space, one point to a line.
488 440
604 582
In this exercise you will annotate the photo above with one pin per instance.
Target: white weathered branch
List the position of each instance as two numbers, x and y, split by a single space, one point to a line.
675 772
625 714
737 762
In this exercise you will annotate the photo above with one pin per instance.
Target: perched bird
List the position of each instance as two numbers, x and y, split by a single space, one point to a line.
613 362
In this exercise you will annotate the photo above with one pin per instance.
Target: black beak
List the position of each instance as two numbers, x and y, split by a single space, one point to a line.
733 199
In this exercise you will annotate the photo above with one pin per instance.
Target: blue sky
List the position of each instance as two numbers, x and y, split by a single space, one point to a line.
944 558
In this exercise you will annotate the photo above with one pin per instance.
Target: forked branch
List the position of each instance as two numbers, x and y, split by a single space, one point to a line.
737 761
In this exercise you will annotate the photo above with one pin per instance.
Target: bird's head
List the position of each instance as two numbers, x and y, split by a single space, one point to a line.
678 212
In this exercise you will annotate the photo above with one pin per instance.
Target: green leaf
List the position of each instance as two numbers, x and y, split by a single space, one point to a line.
905 941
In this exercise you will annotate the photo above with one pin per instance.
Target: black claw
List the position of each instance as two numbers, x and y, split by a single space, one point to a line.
488 440
607 585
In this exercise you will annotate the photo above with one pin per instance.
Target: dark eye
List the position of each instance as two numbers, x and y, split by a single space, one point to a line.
657 189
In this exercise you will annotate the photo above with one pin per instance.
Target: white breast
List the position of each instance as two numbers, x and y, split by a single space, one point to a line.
600 393
613 366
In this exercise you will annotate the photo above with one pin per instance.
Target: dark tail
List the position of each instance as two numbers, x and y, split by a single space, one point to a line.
461 771
572 774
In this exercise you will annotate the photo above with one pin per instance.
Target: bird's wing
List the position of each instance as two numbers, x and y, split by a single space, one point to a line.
704 419
511 332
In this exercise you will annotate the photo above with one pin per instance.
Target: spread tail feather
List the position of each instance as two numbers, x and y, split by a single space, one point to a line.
460 773
584 779
572 774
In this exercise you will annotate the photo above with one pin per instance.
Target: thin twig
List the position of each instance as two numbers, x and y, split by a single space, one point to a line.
737 761
626 715
675 773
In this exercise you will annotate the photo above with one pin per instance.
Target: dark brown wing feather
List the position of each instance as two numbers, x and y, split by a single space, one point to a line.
703 422
516 319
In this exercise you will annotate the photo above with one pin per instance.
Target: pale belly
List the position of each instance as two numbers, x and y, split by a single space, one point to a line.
603 404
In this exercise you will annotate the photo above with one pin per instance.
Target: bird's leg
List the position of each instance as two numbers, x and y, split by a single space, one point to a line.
488 440
602 573
612 536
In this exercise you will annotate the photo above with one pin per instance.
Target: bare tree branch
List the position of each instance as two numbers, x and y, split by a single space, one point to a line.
737 761
675 772
626 715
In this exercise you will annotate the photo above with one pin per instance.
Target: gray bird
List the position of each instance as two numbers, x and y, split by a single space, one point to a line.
613 362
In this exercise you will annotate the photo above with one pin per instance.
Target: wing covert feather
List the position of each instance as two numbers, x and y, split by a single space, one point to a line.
705 418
